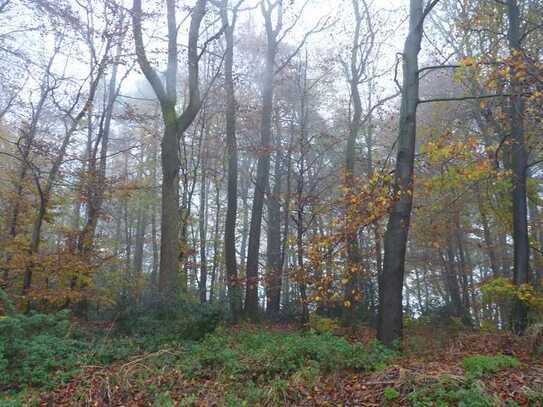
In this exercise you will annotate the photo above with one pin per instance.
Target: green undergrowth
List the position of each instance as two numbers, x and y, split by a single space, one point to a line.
251 366
41 351
452 391
37 350
260 367
480 365
267 354
468 391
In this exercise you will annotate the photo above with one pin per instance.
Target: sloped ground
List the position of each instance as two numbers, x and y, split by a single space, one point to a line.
429 372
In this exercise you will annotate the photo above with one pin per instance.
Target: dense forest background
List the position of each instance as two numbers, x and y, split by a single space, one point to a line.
168 166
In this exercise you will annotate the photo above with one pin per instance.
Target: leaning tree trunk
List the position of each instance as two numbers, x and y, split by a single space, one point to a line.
354 259
96 187
46 191
15 206
391 313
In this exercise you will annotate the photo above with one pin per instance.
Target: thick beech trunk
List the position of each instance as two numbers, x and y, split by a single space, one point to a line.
168 277
170 282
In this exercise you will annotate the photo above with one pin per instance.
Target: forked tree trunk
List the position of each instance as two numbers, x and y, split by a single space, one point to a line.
170 282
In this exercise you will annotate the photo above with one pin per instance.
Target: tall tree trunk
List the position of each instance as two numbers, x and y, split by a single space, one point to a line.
300 260
453 297
169 280
537 237
390 325
216 239
127 223
285 247
168 277
202 227
354 258
489 242
45 190
139 240
28 137
141 222
97 171
230 260
419 291
475 303
453 284
376 226
154 232
274 260
464 271
519 159
35 240
262 170
245 217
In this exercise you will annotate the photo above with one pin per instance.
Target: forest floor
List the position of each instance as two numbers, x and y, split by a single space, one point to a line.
258 366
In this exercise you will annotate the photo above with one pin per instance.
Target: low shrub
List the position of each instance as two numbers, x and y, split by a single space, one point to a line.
11 403
448 391
535 396
391 393
479 365
322 325
109 350
277 354
38 350
535 336
43 350
170 320
439 316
